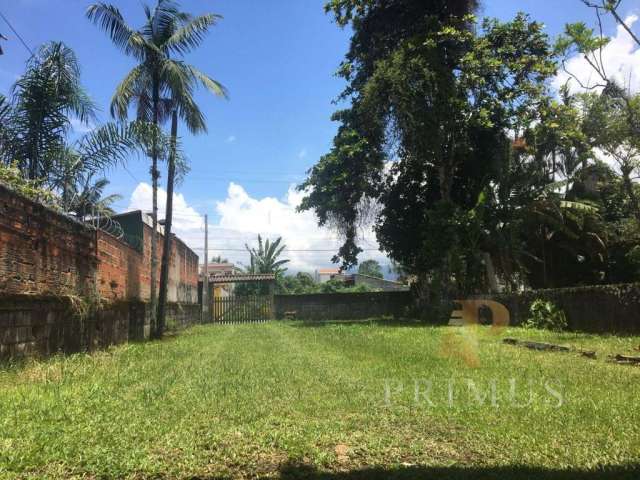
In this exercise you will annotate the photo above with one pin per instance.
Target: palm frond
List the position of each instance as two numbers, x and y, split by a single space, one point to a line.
581 206
108 145
179 82
209 83
190 36
165 20
126 92
109 19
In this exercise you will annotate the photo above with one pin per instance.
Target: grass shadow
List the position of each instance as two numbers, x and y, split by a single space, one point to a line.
291 472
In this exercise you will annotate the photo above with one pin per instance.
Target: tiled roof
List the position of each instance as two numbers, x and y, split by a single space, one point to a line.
245 277
328 270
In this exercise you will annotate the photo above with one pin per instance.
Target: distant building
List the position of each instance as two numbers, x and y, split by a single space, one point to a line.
325 274
355 279
225 268
220 269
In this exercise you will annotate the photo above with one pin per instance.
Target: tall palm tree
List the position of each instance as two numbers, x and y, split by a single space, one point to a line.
159 87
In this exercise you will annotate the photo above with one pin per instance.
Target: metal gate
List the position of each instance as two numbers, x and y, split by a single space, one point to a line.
242 308
241 298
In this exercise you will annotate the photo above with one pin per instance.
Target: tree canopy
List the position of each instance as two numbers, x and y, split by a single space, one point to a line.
370 268
472 170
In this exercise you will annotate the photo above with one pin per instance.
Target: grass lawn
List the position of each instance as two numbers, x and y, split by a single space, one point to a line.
336 401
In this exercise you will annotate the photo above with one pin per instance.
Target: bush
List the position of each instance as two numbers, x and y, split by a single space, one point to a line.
546 315
11 177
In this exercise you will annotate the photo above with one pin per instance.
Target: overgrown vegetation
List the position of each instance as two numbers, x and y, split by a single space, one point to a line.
11 177
36 128
544 314
297 400
475 173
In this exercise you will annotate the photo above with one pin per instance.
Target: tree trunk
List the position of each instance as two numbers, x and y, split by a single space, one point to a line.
166 251
154 213
633 198
492 278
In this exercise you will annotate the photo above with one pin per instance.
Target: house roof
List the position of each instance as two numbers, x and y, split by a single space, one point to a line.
244 277
221 266
328 270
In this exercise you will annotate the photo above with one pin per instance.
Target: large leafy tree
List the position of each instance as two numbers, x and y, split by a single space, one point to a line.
428 138
159 87
609 129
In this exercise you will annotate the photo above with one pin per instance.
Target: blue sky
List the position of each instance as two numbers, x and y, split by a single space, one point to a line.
277 59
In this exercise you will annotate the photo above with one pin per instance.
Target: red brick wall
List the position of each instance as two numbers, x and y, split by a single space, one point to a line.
119 270
183 269
42 252
183 278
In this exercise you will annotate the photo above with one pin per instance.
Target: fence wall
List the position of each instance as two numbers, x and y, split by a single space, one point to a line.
42 325
595 309
46 253
52 267
42 252
343 306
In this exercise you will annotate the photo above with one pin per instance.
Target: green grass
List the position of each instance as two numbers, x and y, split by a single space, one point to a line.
287 400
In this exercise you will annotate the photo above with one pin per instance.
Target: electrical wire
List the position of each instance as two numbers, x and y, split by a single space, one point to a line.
17 34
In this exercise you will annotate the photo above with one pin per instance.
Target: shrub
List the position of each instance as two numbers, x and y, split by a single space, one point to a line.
11 177
546 315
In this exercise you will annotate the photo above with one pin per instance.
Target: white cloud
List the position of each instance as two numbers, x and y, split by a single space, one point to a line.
231 138
241 218
302 153
185 218
81 127
621 58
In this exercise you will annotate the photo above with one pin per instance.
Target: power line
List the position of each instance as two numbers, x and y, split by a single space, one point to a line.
17 34
131 174
213 249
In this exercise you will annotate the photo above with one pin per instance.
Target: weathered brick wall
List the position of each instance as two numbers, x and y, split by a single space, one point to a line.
42 252
183 273
183 270
119 270
343 306
50 265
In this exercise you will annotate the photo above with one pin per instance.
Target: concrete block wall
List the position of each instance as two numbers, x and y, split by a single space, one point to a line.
593 309
40 326
344 306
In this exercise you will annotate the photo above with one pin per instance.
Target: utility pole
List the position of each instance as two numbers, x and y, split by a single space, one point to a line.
205 280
